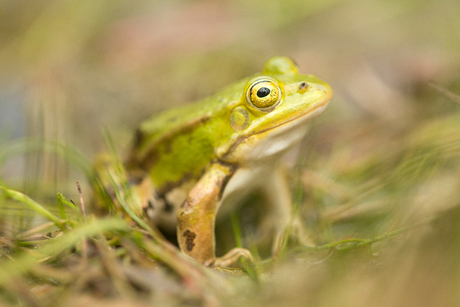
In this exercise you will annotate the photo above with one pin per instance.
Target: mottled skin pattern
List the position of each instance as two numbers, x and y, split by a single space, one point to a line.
196 216
195 158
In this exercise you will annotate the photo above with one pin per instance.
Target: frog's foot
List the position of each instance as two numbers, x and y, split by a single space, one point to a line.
230 258
295 231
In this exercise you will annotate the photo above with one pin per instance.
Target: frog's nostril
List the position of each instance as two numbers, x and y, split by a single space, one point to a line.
303 85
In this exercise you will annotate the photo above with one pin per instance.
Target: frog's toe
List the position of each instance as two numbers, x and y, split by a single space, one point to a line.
231 258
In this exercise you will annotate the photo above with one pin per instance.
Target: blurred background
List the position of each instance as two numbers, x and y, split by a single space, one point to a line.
69 67
385 154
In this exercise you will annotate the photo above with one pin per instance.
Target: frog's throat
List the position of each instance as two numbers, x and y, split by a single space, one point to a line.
278 139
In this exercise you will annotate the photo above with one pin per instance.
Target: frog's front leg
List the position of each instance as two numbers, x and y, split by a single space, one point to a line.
196 218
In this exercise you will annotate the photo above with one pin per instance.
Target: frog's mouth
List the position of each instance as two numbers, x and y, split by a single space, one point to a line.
299 119
258 146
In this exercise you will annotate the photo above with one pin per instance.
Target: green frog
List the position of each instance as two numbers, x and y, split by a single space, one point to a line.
190 163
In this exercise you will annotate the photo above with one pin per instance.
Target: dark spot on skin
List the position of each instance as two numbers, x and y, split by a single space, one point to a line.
146 211
151 204
223 183
136 178
189 238
138 138
168 208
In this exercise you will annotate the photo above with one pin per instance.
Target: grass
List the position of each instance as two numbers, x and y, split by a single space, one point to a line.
365 213
376 184
104 256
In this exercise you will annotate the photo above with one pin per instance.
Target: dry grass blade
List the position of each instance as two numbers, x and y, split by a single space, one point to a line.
26 235
451 95
53 248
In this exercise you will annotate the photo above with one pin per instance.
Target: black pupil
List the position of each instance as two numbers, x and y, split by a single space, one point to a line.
262 92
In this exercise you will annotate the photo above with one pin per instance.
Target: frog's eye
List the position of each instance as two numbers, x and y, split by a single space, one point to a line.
264 94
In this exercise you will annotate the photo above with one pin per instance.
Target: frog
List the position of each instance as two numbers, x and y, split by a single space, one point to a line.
192 162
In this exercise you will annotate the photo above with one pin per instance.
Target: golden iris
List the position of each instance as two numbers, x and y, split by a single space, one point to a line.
263 93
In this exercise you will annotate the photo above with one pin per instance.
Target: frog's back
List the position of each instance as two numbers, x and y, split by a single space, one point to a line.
176 145
167 122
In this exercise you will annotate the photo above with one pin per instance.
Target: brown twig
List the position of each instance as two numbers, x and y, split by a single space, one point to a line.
83 212
82 201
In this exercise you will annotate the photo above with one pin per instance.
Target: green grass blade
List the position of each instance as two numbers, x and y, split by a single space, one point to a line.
64 201
59 197
32 204
53 247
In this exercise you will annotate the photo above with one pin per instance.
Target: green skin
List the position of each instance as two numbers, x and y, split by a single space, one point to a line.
201 146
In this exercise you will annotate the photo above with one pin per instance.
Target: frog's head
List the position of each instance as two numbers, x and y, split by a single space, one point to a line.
273 112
